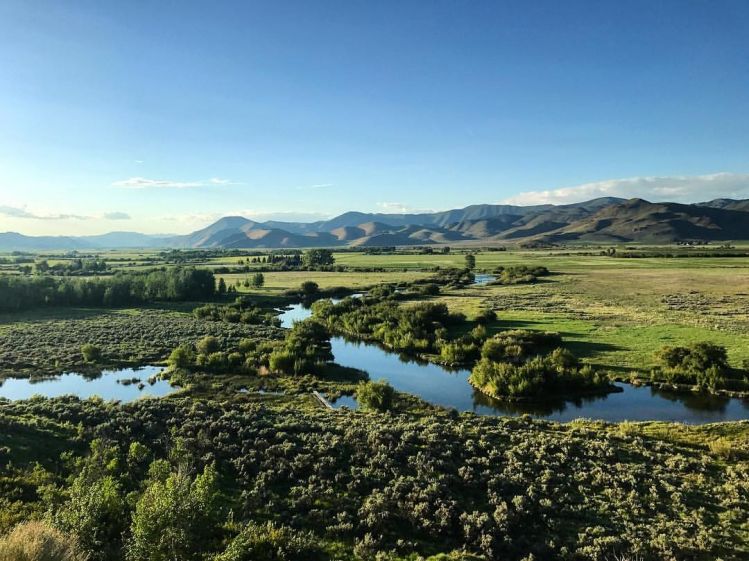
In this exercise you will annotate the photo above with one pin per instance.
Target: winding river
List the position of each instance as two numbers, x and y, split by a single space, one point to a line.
451 389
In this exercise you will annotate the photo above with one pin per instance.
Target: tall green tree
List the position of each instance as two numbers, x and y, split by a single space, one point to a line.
318 258
258 280
176 518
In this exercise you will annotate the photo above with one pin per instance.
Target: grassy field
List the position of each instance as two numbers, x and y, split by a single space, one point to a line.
276 282
618 316
616 311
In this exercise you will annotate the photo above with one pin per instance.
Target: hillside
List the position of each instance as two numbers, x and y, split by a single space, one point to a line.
637 220
605 220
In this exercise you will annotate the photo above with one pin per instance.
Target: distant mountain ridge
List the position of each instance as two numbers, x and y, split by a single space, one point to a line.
606 219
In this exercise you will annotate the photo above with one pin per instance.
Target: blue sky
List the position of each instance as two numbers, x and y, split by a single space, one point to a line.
162 116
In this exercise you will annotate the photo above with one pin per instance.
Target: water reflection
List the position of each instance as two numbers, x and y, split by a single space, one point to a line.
450 388
126 384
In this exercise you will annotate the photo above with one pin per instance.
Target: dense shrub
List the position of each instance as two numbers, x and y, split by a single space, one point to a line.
375 395
396 485
305 350
90 353
538 377
702 364
411 328
519 274
269 542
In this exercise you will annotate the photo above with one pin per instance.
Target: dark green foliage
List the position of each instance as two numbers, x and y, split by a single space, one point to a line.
91 353
49 346
519 274
258 280
518 345
539 377
182 357
497 488
305 350
269 542
240 311
702 364
176 517
451 277
94 507
309 288
121 289
375 395
486 316
208 345
405 328
313 258
470 261
512 365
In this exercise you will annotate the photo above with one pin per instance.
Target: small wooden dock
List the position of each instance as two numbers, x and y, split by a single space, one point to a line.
321 398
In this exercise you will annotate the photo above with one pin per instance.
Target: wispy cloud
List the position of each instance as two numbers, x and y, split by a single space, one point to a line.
26 214
401 208
22 212
674 188
146 183
116 216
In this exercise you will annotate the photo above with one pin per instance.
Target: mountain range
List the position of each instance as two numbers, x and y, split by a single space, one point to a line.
604 220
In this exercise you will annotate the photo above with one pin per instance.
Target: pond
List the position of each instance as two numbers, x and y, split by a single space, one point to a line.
480 279
441 386
108 385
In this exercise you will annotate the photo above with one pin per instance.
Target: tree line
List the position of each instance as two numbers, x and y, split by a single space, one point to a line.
121 289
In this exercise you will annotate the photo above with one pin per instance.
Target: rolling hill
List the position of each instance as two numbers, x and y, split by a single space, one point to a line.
603 220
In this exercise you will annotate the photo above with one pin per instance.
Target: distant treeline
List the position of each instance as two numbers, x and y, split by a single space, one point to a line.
176 284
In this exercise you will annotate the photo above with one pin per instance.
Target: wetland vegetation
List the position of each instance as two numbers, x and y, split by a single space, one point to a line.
258 469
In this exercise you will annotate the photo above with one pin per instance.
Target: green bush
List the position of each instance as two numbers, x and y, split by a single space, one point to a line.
268 542
375 395
91 353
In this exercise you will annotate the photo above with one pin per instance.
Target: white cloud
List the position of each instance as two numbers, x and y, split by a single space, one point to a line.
145 183
675 188
116 216
23 212
401 208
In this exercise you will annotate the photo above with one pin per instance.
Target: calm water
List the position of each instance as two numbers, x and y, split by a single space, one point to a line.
440 386
104 386
483 278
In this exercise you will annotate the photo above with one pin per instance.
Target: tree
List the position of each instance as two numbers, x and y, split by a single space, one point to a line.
307 345
177 517
310 288
375 395
95 511
221 286
181 357
470 261
318 258
258 280
90 352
